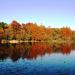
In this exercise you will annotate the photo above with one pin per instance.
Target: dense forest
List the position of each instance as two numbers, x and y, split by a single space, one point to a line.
33 32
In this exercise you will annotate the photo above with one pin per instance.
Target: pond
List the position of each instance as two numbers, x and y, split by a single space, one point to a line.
37 59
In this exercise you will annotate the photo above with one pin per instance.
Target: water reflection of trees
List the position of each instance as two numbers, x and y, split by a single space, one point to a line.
30 51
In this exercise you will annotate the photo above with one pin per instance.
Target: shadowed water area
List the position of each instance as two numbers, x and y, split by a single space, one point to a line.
37 59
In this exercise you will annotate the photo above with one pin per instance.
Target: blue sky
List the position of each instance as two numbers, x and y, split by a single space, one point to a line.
53 13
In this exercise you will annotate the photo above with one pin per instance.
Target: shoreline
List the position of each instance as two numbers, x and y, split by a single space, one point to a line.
52 41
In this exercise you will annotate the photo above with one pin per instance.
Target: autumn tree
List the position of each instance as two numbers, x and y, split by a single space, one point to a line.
66 33
3 27
49 34
73 36
27 29
16 28
1 34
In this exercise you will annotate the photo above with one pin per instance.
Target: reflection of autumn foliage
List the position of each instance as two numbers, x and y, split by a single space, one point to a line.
38 49
66 48
30 51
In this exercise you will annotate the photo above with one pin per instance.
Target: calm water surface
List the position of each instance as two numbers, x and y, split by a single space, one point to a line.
37 59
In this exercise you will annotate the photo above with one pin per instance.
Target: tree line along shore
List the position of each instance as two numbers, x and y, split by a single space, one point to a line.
32 32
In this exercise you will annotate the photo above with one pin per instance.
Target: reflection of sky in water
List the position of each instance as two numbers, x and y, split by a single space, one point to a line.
49 64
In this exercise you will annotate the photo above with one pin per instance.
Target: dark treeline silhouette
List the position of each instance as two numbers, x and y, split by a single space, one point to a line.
32 50
34 32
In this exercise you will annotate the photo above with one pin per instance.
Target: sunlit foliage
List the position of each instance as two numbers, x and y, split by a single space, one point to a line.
33 32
